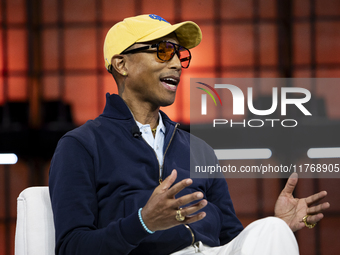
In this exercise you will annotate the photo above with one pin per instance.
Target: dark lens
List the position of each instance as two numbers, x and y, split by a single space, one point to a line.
165 51
184 56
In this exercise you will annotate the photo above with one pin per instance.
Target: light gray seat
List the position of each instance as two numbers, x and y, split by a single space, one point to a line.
35 233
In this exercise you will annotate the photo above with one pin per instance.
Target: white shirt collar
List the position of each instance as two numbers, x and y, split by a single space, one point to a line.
160 126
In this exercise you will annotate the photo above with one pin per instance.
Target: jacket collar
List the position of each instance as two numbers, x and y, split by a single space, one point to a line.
116 108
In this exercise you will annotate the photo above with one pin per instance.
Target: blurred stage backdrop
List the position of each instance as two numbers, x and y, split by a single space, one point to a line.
52 79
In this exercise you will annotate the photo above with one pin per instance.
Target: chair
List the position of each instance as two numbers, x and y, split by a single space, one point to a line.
34 233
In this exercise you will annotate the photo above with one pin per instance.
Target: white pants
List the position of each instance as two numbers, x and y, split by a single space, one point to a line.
266 236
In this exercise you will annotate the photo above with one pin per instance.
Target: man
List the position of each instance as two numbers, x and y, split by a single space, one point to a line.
120 184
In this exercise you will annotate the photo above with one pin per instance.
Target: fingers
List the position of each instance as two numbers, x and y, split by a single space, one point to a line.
315 212
166 184
318 209
194 218
184 200
316 197
161 209
194 208
312 219
188 212
181 201
178 187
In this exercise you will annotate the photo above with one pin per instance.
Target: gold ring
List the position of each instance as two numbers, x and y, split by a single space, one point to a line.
179 216
308 225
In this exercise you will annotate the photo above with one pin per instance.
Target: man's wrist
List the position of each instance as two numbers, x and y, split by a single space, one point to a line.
142 222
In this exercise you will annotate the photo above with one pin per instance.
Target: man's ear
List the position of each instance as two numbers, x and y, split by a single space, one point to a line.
118 64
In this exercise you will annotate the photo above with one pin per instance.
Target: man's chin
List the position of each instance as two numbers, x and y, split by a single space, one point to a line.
167 103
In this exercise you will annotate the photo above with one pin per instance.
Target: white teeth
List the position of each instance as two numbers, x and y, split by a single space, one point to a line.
171 80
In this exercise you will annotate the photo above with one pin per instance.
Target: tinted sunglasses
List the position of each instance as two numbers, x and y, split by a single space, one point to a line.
166 51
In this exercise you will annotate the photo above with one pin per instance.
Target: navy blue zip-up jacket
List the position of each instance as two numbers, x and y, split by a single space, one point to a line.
101 174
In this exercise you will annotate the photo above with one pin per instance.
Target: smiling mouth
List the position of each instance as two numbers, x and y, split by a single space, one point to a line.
170 82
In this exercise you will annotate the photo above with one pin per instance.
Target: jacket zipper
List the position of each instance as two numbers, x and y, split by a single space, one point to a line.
161 167
160 180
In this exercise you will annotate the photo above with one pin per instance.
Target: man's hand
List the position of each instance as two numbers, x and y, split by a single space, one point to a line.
292 210
159 213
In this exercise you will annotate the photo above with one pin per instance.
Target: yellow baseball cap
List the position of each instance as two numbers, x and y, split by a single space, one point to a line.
144 28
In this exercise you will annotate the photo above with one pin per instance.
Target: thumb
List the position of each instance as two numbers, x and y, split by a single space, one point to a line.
291 184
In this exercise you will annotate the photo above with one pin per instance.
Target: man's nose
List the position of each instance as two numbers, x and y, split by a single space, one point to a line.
175 62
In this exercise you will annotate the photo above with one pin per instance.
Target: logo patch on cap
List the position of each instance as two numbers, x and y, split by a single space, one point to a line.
154 16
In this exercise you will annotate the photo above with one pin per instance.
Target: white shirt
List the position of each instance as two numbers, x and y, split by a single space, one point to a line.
157 142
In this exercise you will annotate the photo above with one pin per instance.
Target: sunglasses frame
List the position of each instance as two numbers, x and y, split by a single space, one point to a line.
156 45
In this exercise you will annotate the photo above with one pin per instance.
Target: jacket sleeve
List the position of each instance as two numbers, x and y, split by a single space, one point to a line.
75 207
218 194
217 189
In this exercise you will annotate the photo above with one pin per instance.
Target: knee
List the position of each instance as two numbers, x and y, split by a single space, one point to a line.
274 222
271 224
267 236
